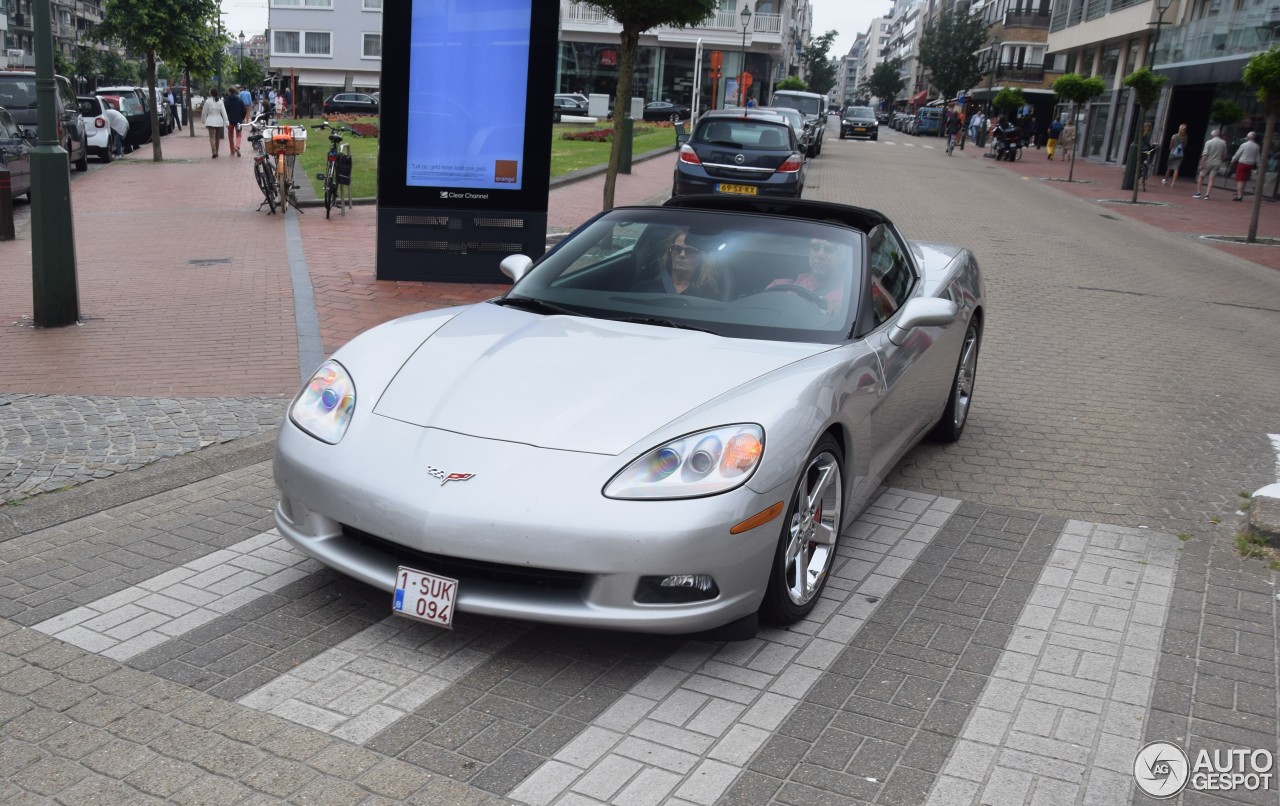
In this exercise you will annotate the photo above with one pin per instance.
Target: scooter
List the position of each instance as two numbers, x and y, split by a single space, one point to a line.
1008 143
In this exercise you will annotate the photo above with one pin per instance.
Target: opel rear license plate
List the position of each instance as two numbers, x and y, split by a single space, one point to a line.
425 597
742 190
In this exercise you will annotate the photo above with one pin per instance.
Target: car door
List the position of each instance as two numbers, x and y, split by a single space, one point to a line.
909 400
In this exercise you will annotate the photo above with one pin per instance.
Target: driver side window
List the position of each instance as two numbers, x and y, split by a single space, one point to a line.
891 276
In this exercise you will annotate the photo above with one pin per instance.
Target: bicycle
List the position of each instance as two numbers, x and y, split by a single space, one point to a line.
951 143
285 144
337 172
264 172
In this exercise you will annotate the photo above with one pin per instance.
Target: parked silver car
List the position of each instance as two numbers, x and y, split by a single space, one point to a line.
664 426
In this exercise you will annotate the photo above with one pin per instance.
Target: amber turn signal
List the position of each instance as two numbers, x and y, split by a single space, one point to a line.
758 518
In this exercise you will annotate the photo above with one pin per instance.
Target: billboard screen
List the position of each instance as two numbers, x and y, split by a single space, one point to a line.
467 93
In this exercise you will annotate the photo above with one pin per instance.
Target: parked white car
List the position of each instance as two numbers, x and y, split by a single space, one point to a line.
96 128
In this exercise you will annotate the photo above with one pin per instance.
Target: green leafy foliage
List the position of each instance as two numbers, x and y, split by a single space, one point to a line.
1078 89
792 83
949 51
1009 100
1146 86
822 71
886 80
1262 74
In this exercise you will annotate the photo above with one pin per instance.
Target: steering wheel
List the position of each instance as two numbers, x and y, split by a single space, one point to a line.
801 292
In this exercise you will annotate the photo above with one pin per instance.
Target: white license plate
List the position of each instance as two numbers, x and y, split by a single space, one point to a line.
425 597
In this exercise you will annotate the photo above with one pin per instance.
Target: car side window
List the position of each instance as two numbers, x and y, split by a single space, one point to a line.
891 276
8 130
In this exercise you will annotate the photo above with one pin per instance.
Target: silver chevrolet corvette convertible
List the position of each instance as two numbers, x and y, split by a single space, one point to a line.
662 427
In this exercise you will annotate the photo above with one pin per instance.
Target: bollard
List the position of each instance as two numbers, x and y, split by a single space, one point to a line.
6 206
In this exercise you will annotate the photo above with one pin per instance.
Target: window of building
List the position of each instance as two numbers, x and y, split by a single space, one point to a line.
302 3
307 43
373 5
372 46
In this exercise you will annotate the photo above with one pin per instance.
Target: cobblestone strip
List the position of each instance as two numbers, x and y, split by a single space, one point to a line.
50 442
178 601
1062 718
686 731
377 677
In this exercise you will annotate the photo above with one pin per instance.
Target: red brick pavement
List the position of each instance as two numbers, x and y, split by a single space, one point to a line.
1174 210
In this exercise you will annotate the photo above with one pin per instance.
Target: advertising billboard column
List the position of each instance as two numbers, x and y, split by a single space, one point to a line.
464 162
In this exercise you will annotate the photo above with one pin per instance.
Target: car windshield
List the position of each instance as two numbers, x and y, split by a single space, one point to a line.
18 93
803 103
860 113
738 275
746 132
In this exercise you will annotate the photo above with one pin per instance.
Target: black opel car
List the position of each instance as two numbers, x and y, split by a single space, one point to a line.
732 153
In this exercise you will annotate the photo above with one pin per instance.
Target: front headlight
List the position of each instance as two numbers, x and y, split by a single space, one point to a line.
705 463
324 406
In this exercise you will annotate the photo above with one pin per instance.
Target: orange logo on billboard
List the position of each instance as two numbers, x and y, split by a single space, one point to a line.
505 171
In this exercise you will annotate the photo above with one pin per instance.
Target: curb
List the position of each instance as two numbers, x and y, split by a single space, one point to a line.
50 509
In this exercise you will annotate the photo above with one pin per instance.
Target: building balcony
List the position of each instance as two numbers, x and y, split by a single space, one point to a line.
1236 34
1034 19
721 28
1029 73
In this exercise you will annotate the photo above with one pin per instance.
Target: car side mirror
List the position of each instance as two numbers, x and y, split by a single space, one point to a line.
516 266
922 312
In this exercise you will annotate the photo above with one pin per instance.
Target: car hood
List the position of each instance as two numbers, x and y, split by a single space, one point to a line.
566 382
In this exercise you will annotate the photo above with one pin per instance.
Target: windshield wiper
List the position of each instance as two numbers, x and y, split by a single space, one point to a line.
534 305
650 320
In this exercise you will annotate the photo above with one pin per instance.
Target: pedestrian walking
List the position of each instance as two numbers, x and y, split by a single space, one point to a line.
1067 140
1146 153
1211 158
1177 150
214 117
236 114
247 98
1244 161
1030 131
119 125
173 107
1055 131
288 100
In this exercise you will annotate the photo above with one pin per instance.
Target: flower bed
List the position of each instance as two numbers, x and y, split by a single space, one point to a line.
602 135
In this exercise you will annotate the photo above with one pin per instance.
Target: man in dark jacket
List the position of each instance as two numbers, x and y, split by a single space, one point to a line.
236 114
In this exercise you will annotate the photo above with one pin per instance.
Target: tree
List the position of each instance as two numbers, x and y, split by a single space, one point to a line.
822 72
165 29
114 69
886 80
1225 113
85 65
949 51
1078 90
1262 74
791 83
1146 92
636 17
1009 100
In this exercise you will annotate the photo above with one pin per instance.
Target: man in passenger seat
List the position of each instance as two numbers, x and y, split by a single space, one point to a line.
824 277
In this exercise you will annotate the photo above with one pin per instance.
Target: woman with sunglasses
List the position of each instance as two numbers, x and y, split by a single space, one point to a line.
686 269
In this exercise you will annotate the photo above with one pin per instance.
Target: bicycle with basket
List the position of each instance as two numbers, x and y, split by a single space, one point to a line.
284 144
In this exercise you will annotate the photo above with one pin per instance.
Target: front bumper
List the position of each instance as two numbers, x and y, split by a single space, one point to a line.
526 509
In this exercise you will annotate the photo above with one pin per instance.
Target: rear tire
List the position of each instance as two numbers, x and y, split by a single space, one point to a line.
956 414
330 192
82 164
810 535
265 176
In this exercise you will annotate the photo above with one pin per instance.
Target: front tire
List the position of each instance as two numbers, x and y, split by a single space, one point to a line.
330 192
265 176
956 414
82 164
807 548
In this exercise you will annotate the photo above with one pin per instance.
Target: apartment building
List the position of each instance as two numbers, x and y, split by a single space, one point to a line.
71 21
1017 52
765 45
905 28
1201 45
848 75
324 46
869 58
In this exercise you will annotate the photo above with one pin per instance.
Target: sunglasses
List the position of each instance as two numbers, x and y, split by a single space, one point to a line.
681 249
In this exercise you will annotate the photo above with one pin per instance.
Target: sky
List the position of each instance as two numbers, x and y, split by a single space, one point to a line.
848 17
250 16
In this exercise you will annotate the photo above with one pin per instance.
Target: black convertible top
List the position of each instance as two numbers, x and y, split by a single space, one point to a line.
859 218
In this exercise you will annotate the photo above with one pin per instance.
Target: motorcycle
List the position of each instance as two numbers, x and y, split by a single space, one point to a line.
1008 143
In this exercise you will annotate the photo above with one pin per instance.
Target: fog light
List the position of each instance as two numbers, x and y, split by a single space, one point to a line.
676 589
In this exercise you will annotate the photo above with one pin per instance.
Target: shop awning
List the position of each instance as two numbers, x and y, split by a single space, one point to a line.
919 98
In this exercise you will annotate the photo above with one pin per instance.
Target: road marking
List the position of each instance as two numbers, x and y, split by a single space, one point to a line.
692 725
1062 716
146 615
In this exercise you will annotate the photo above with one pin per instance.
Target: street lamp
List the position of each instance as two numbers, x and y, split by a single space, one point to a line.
745 16
1161 6
241 71
995 67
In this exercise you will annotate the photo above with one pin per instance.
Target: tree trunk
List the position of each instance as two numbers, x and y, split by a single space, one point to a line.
621 107
1075 116
155 107
1135 148
1263 157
